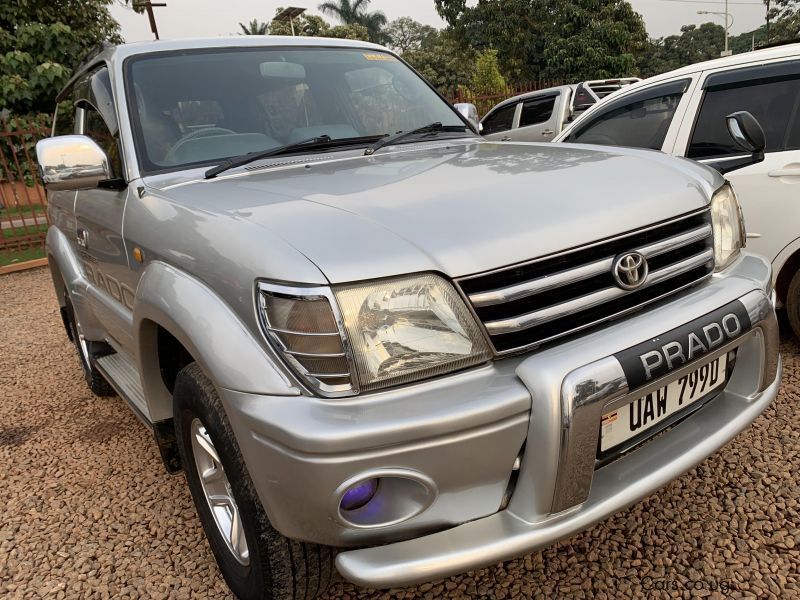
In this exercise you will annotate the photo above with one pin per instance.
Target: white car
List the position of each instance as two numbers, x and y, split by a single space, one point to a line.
683 113
540 116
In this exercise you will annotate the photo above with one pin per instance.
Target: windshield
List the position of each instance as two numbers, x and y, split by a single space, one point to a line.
205 106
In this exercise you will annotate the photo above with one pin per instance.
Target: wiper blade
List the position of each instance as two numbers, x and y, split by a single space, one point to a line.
400 135
244 159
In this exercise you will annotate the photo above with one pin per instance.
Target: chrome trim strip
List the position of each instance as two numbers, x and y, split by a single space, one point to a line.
314 355
305 333
328 375
541 284
566 277
531 319
584 393
675 242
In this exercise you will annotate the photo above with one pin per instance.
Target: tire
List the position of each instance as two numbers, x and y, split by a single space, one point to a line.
275 567
87 353
793 304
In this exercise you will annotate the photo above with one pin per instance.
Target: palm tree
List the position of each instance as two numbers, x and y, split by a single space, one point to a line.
254 27
355 12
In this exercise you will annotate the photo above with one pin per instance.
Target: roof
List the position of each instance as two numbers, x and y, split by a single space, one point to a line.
119 52
754 56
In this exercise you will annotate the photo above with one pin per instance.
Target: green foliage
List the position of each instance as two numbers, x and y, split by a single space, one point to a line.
570 39
354 12
254 27
405 34
487 78
40 42
307 25
443 60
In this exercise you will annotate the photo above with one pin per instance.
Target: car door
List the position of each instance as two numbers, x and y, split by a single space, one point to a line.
498 123
99 214
768 191
643 118
538 119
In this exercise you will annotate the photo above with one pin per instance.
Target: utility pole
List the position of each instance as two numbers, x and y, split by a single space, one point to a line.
148 6
728 24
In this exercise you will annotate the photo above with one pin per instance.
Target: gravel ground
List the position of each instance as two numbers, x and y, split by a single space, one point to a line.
88 511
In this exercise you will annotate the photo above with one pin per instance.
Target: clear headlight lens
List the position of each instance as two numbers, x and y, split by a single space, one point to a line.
405 329
371 335
728 225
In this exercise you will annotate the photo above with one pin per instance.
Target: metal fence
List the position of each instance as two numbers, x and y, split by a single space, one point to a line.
23 203
484 103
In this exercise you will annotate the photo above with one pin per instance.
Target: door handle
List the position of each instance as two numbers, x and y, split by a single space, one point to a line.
547 132
505 139
791 172
83 238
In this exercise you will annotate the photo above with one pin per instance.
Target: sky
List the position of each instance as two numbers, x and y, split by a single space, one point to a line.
201 18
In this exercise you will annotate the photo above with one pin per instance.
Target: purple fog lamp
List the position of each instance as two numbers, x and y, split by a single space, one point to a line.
359 494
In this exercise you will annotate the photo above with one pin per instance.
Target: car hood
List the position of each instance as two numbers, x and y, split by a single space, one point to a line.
458 207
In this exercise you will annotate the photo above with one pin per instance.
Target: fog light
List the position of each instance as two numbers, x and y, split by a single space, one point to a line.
359 494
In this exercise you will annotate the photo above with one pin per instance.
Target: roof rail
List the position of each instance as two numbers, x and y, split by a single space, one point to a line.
777 44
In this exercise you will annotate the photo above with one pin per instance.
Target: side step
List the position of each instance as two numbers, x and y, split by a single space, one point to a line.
124 378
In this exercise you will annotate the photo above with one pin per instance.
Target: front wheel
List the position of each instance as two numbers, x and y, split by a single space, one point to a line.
256 561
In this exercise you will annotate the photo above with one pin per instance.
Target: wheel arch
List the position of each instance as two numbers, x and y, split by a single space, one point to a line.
177 313
785 265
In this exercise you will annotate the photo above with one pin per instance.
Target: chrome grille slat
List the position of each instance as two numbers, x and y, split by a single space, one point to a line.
524 305
583 302
675 242
548 282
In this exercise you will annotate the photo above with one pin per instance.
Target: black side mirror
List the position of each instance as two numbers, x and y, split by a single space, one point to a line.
746 131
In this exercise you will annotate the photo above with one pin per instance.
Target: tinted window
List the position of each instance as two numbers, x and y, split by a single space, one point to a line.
638 123
536 111
198 107
773 103
99 117
500 120
95 127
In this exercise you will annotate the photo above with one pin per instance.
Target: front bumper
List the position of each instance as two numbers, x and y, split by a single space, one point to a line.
460 435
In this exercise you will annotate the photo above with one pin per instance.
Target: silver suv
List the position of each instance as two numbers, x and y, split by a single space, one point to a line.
353 323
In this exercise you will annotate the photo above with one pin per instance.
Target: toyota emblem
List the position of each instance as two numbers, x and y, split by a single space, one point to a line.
630 270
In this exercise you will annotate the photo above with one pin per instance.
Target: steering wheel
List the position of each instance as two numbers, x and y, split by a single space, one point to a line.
193 135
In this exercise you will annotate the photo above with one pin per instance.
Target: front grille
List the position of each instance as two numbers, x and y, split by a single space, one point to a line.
529 304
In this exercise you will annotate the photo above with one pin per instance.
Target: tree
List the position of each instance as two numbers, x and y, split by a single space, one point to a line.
694 44
308 25
406 34
444 61
254 27
354 12
571 39
40 42
487 79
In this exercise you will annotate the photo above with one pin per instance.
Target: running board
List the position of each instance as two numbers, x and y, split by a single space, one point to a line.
124 378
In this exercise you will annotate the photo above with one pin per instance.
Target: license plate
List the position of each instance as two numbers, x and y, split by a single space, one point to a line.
631 420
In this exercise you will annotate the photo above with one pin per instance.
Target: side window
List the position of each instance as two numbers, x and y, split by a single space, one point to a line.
500 120
95 127
774 103
100 118
537 110
639 120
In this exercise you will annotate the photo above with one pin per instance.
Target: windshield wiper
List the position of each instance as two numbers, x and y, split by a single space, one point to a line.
244 159
400 135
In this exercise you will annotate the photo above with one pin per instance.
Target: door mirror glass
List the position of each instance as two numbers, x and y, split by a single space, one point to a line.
469 112
746 131
71 162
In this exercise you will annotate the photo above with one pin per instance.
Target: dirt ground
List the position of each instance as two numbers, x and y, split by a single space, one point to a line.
87 510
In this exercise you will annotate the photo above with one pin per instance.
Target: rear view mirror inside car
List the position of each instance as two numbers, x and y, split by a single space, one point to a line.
282 70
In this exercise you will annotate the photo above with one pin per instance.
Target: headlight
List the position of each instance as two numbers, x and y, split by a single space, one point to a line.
729 233
372 335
